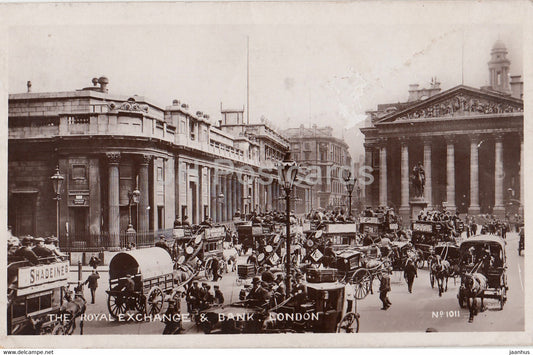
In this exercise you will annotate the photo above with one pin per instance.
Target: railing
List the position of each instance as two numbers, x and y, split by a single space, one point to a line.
105 241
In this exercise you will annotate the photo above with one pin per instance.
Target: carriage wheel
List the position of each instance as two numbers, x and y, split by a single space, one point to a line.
432 279
116 305
349 324
361 280
58 330
140 304
154 301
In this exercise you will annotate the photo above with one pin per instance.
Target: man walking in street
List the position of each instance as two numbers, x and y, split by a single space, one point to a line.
409 274
215 269
384 288
92 280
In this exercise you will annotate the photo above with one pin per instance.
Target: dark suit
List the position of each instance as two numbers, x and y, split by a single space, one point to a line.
384 288
410 273
26 253
92 281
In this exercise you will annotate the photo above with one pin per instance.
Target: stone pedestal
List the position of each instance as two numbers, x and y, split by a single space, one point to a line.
417 205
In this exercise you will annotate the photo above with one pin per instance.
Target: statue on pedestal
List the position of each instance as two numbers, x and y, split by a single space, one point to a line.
418 180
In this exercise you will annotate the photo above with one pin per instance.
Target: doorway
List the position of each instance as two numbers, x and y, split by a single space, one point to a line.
79 224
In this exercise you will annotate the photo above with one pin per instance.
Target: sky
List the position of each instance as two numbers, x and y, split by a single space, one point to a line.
301 73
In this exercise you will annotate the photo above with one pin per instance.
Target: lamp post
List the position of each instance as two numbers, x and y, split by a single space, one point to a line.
350 183
57 183
133 198
287 170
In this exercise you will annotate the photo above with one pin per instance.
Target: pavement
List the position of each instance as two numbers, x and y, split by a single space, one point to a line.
410 312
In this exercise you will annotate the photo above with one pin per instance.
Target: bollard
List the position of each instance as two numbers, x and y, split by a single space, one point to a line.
80 272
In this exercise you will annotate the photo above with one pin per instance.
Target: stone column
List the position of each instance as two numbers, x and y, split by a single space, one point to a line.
224 206
144 199
113 160
234 193
450 174
213 195
521 172
383 199
405 210
428 189
499 208
474 208
218 202
229 199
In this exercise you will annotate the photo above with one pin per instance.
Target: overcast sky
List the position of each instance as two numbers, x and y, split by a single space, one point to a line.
301 73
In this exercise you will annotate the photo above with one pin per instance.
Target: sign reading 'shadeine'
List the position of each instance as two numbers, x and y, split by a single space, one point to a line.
40 274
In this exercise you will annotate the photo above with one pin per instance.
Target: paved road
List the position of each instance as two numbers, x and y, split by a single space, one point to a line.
409 312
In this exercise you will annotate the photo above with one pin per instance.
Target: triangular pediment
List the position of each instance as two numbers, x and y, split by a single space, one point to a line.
458 102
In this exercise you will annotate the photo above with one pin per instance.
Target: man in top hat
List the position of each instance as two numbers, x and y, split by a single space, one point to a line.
26 252
258 295
42 252
267 275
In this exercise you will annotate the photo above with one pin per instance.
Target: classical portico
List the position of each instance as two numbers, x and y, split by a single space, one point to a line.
469 142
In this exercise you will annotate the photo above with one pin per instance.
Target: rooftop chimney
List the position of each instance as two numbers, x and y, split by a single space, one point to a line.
28 84
103 81
517 87
199 113
185 106
175 102
95 81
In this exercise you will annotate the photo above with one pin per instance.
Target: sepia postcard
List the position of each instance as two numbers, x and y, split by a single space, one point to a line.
265 174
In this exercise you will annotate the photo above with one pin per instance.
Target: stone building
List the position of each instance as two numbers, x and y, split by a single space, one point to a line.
317 147
107 146
470 142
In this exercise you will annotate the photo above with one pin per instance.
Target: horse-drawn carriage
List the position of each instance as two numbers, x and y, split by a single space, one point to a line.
372 228
35 296
400 252
426 235
483 271
319 308
341 235
253 236
198 249
139 281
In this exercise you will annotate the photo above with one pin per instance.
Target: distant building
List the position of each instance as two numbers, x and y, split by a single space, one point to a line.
317 147
106 146
272 148
470 142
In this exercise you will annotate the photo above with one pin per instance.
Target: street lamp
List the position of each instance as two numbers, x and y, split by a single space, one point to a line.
57 183
133 198
288 169
350 183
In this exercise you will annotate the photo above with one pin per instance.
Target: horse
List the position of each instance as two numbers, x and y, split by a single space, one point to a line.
230 256
474 286
441 269
74 307
184 273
